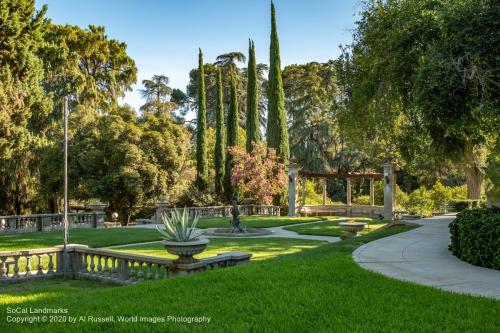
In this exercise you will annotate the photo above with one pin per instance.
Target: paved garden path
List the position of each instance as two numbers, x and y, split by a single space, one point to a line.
421 255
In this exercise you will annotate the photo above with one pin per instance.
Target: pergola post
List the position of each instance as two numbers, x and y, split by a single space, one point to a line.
348 192
293 172
304 181
388 191
372 192
324 191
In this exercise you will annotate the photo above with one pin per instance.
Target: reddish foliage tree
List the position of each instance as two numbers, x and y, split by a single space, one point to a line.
258 174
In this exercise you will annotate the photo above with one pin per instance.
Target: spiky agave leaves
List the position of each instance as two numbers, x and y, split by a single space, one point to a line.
178 228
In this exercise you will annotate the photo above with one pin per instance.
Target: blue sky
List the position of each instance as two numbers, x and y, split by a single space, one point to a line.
163 36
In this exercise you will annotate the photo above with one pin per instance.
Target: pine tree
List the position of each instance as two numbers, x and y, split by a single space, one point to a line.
201 149
277 132
220 139
252 123
232 133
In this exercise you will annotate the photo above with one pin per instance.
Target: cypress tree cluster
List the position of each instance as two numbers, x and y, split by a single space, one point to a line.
252 116
232 133
220 139
277 131
201 128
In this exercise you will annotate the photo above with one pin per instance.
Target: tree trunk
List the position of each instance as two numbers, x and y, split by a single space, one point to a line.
474 169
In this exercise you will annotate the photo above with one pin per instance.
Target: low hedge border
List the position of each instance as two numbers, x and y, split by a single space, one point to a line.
475 237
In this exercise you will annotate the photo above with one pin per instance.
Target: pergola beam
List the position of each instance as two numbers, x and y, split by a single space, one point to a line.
309 174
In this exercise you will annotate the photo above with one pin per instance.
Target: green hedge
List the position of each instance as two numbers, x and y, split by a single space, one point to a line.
462 204
475 236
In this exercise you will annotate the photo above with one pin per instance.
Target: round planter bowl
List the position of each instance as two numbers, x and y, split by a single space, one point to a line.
351 228
186 250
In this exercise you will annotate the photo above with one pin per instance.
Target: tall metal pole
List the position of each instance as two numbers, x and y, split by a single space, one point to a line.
66 224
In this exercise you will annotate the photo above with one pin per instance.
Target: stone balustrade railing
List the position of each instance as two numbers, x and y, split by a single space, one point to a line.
220 211
341 210
30 264
43 222
81 262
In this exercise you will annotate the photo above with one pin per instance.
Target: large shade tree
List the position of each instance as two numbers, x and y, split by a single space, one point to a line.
158 95
420 80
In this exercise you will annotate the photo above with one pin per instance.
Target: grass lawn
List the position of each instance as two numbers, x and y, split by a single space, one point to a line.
331 228
261 248
90 237
119 236
315 290
256 221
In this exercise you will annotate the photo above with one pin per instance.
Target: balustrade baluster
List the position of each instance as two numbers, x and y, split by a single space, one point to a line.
85 264
51 264
158 272
113 267
3 268
149 274
166 272
16 267
106 267
28 266
140 276
40 265
92 264
99 265
132 271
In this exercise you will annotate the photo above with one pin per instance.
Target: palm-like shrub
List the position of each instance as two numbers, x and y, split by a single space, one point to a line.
178 227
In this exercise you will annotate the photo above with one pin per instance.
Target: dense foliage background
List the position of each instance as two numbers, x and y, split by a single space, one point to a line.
418 86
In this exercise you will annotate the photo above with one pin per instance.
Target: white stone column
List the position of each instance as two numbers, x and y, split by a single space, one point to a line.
388 191
293 172
324 191
372 192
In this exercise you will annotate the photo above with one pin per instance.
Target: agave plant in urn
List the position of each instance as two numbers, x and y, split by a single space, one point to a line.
181 237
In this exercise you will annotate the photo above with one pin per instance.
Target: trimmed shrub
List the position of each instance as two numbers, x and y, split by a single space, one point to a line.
462 204
475 237
361 200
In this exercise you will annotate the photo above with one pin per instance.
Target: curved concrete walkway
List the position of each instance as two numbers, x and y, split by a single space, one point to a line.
421 255
276 232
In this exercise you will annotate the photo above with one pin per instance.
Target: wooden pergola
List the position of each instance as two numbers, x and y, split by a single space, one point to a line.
387 210
348 176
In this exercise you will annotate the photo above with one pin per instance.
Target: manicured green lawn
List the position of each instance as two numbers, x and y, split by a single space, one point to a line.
256 221
331 228
315 290
118 236
90 237
261 248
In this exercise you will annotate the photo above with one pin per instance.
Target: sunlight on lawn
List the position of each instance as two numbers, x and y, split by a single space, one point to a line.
261 248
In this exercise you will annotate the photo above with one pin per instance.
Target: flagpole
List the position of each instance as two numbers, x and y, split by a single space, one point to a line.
66 224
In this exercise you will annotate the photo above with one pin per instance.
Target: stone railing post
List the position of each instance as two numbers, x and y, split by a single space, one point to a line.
123 269
293 172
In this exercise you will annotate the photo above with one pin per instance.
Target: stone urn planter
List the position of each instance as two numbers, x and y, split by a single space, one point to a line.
186 250
351 229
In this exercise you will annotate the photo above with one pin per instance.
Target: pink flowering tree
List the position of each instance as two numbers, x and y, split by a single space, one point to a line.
258 174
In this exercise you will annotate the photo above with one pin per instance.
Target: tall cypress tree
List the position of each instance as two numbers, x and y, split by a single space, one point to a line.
232 133
220 139
277 132
252 123
201 128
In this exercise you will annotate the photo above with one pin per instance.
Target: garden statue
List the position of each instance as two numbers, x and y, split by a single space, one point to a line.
2 224
235 222
114 216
